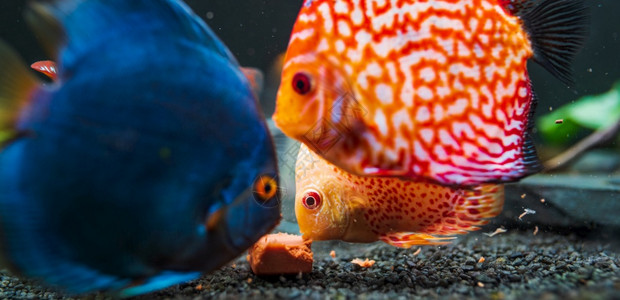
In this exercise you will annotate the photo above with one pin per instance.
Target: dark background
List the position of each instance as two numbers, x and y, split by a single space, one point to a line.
257 31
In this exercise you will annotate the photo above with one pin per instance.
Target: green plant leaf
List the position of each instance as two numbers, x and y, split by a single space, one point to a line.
591 112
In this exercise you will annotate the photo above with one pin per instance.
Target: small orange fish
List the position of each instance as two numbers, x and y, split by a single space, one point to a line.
332 204
46 67
432 89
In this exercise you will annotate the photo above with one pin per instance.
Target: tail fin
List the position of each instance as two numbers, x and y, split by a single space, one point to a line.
557 30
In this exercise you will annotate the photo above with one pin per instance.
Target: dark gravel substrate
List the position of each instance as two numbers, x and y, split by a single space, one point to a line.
517 265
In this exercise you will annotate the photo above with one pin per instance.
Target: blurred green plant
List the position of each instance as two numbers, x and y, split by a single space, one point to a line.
4 135
592 112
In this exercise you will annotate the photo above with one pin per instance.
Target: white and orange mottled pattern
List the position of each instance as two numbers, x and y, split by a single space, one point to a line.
333 204
434 89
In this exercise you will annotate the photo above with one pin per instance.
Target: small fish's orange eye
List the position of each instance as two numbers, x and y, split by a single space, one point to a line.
265 187
302 83
312 200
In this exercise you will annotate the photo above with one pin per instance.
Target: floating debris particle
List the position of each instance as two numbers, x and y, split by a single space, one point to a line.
527 212
249 280
559 121
480 284
542 200
535 230
481 260
199 287
496 232
523 196
300 276
332 254
234 266
363 263
417 251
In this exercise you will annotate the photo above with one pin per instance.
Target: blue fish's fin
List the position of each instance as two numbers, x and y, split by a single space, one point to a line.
85 22
27 249
16 85
256 79
163 280
45 26
557 30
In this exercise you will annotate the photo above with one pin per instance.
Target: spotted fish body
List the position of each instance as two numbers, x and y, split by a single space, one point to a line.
434 89
333 204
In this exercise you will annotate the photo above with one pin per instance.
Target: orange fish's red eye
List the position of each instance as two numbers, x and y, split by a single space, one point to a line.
302 83
312 200
265 187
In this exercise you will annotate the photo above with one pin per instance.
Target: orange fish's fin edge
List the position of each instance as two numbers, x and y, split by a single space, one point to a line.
410 239
480 204
16 85
473 210
557 31
256 79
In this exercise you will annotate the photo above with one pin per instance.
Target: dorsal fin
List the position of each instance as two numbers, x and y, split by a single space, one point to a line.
557 30
46 28
83 22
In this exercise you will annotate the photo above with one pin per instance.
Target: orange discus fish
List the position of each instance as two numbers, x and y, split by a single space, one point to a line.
424 89
332 204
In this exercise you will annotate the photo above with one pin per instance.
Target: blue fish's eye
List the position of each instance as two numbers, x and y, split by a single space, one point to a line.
265 187
302 83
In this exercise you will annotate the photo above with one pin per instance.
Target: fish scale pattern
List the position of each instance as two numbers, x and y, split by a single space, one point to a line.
443 83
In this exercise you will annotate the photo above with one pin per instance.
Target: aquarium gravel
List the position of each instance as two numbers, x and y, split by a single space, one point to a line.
517 265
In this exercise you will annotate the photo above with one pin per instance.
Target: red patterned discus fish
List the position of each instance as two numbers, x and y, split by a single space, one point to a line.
434 89
333 204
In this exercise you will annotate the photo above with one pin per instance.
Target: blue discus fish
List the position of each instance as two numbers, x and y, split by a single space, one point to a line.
146 163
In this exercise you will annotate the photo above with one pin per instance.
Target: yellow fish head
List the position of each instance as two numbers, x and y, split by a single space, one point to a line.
322 213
